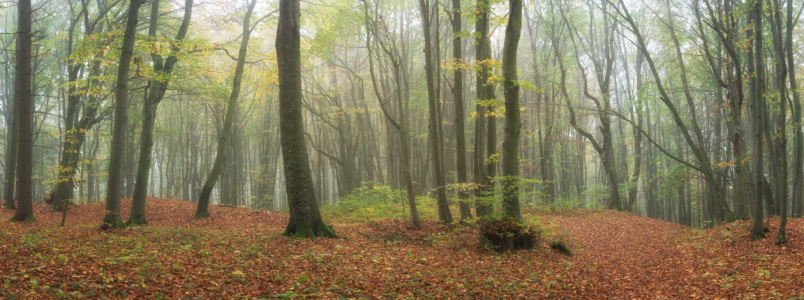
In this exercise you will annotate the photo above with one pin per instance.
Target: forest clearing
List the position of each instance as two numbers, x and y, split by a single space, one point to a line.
239 252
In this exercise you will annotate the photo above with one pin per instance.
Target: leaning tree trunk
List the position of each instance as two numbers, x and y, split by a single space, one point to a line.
24 99
305 218
231 107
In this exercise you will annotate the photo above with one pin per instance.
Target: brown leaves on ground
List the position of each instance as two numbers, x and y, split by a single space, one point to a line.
238 252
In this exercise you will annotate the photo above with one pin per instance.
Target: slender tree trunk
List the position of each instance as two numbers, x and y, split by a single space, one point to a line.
755 66
155 96
119 128
12 142
444 214
231 107
485 127
305 218
460 127
798 162
513 123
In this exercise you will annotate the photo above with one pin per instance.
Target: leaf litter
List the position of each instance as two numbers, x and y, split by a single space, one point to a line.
238 252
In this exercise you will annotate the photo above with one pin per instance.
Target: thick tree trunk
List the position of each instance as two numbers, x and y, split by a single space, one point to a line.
24 99
305 218
203 201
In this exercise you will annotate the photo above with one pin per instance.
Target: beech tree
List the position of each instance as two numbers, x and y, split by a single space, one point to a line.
114 183
162 70
24 99
305 217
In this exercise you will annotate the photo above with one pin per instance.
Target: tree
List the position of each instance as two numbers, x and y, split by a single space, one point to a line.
12 142
513 124
163 68
24 99
76 130
434 132
756 67
485 124
400 123
305 217
231 107
114 183
460 124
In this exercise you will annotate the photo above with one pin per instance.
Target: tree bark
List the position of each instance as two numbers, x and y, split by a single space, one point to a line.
24 99
513 123
755 68
120 125
460 126
305 218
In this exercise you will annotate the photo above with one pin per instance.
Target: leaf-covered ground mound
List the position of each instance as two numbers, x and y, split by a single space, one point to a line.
238 252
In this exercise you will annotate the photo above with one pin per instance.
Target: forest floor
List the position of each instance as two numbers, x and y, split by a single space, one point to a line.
239 252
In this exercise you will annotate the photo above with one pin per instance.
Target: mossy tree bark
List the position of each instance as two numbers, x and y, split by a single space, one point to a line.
305 217
114 183
163 68
513 123
203 200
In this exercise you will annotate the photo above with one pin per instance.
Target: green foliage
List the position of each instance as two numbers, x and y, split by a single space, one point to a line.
374 201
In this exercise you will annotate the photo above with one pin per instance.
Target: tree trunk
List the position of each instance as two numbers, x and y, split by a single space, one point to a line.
755 66
231 107
305 218
25 106
513 123
444 214
460 127
149 109
119 129
12 142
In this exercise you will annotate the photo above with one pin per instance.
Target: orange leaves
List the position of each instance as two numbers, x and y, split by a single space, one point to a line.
238 252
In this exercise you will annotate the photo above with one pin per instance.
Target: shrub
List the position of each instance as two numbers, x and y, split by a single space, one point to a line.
505 234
